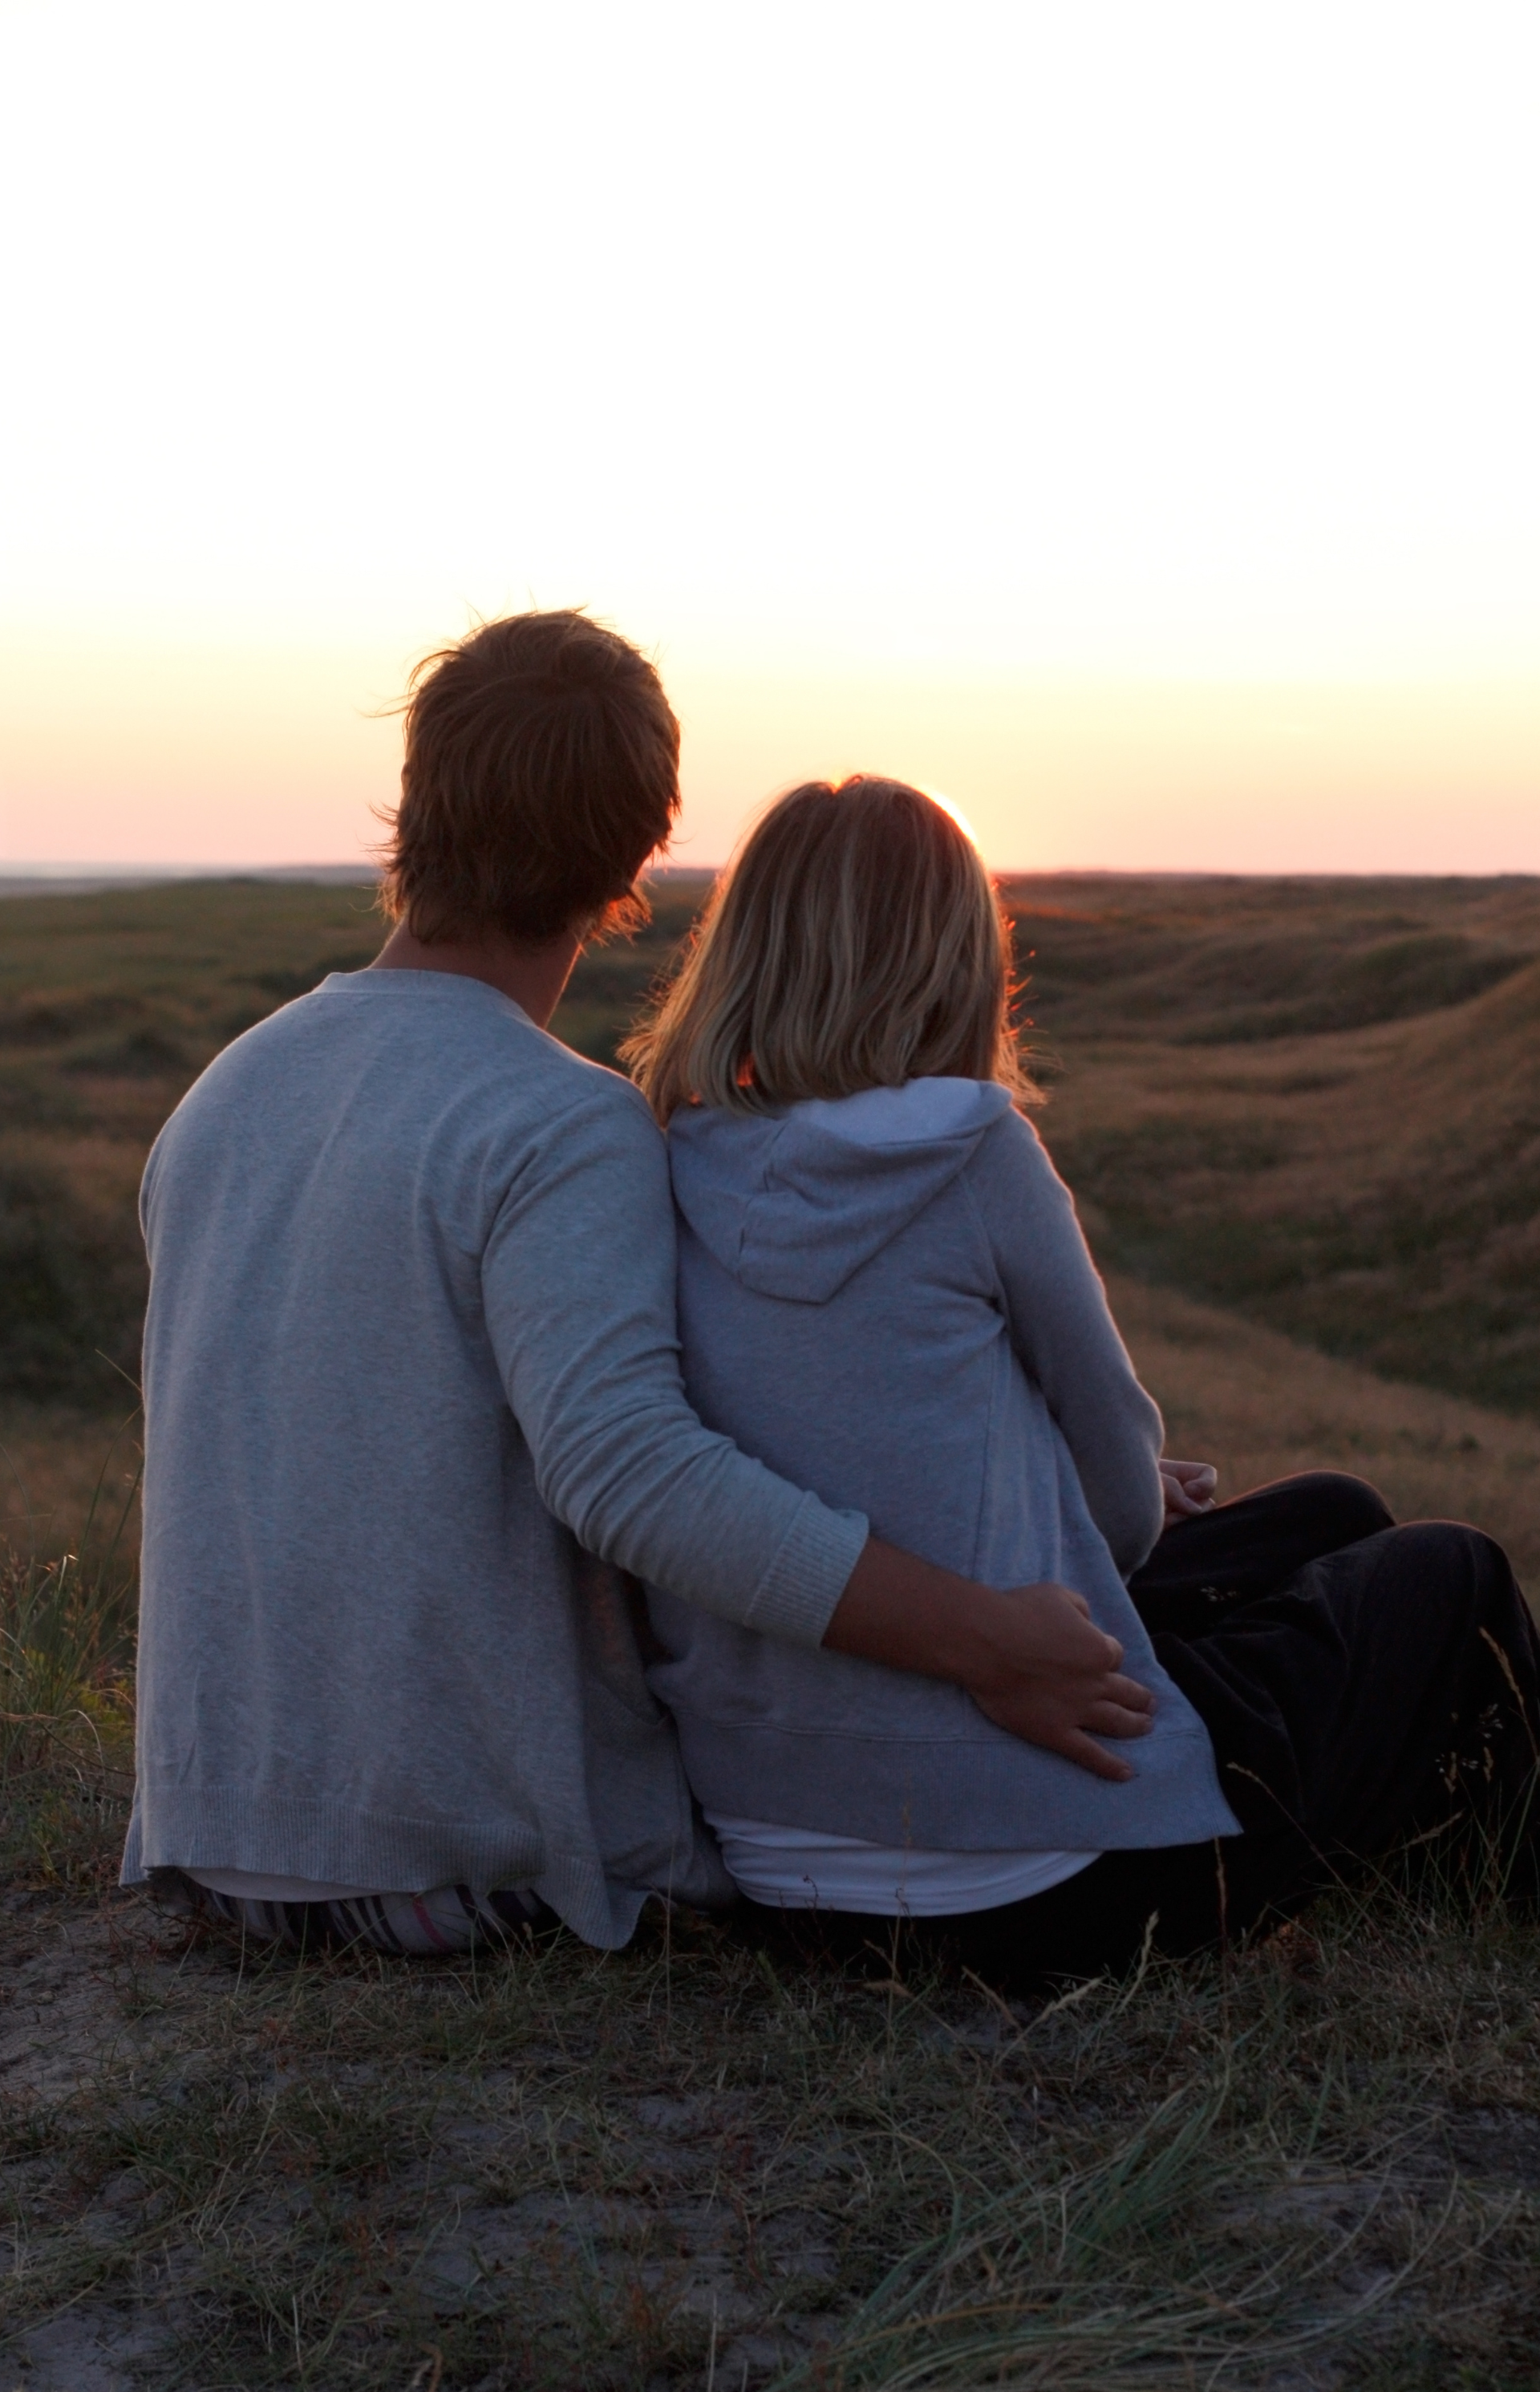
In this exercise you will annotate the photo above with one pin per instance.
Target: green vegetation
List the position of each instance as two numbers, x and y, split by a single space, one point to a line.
611 982
1179 960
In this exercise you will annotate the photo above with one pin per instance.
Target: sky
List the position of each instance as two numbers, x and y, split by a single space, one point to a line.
1118 417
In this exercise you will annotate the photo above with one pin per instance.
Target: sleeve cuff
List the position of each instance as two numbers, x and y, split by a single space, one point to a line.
797 1596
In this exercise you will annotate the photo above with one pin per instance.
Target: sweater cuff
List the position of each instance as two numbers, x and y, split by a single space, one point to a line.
795 1598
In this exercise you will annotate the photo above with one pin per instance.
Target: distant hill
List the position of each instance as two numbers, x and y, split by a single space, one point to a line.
1217 959
1314 1101
1371 1185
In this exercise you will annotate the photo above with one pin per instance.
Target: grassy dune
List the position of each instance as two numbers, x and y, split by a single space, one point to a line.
110 1004
1314 1102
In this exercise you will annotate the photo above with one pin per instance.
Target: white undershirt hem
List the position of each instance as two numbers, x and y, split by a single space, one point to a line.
249 1885
798 1869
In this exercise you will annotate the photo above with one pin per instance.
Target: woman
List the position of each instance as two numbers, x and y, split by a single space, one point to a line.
884 1295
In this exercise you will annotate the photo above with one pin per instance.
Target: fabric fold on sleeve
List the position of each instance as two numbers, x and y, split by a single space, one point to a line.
796 1598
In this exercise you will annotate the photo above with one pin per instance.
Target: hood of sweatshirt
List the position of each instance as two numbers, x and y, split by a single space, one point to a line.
792 1204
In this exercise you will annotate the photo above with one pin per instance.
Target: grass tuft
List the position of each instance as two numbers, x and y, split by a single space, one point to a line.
67 1624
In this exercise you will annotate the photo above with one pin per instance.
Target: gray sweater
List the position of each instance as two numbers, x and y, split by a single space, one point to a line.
890 1299
411 1342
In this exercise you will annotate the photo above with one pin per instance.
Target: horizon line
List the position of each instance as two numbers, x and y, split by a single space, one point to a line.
26 877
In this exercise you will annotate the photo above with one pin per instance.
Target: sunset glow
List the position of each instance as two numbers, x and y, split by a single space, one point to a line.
1121 419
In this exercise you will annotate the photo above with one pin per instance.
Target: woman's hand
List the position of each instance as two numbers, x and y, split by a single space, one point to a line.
1030 1656
1188 1488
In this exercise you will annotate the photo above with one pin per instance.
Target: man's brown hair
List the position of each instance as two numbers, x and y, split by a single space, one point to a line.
542 772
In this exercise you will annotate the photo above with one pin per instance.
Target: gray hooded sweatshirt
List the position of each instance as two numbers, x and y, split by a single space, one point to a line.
888 1299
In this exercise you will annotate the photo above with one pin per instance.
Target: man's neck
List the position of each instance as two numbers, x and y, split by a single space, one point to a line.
533 977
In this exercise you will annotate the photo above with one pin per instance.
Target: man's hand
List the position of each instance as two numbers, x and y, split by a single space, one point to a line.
1030 1656
1058 1680
1188 1488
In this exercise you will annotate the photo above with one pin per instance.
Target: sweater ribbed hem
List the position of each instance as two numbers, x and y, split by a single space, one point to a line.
797 1597
225 1827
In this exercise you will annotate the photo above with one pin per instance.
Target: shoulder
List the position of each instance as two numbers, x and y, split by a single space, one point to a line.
1011 1146
588 1099
412 1062
1011 1173
541 1114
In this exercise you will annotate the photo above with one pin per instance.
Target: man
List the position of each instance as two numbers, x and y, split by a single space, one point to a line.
411 1383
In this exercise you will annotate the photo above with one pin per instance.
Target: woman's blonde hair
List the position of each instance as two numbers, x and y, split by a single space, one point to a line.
855 942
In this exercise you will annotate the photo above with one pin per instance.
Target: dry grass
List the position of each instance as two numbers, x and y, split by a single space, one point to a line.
110 1004
67 1621
1317 2165
1314 1101
61 1468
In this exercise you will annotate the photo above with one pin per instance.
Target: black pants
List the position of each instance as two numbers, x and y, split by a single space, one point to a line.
1364 1684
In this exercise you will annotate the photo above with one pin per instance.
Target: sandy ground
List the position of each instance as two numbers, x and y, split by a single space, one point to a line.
494 2185
110 2014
